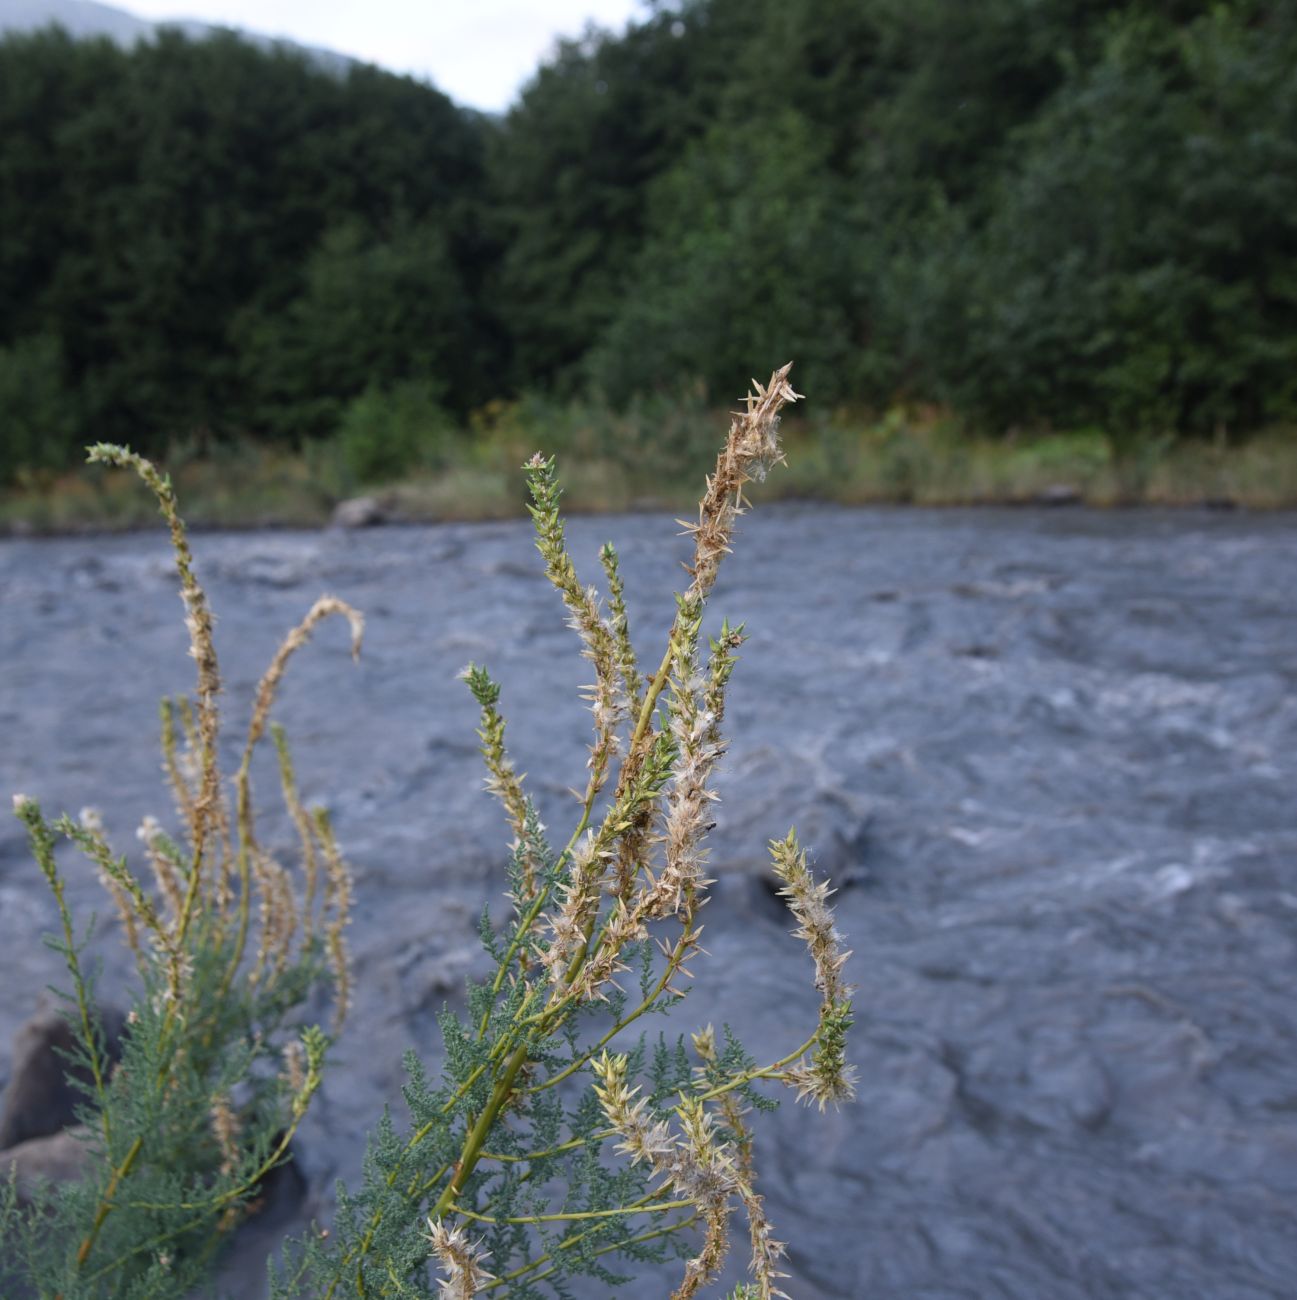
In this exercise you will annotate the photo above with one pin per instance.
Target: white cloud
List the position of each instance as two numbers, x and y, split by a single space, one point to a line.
478 51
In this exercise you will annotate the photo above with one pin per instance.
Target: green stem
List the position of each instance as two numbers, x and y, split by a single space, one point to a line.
477 1135
656 686
83 1006
230 1194
580 1236
106 1201
414 1140
580 1214
206 1207
765 1072
749 1076
529 919
673 964
570 1145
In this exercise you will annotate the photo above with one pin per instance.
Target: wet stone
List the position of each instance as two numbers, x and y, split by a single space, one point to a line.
40 1099
46 1161
359 512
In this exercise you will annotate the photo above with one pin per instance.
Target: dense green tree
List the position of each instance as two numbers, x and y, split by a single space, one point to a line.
1039 212
154 200
570 171
1138 266
39 419
743 265
369 313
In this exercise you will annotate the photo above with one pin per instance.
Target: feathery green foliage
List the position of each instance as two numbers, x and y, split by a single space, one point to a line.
507 1175
216 1068
558 1138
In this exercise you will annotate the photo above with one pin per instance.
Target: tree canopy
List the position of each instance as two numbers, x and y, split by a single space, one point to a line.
1040 213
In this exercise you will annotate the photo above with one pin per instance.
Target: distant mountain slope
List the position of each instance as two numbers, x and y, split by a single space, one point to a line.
77 17
86 19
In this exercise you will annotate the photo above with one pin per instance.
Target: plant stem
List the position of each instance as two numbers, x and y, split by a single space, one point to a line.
106 1202
673 964
477 1136
765 1072
603 1250
655 689
580 1214
570 1145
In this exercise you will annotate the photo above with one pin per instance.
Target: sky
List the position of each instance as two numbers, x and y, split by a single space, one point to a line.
479 52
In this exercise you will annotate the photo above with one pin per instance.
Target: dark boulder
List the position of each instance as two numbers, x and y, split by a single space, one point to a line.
60 1158
45 1087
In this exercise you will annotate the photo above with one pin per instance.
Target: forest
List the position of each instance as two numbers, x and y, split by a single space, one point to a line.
1033 216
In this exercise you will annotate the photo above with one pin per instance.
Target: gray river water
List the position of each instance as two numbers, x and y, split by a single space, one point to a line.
1049 758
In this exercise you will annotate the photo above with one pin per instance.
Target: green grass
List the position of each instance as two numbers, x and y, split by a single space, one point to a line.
919 457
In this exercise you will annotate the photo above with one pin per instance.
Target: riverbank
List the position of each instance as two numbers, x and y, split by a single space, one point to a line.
631 463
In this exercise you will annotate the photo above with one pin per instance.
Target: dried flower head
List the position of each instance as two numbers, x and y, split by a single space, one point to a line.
225 1128
750 450
460 1260
337 906
504 782
827 1078
696 1165
643 1138
579 898
808 900
198 621
163 860
606 694
294 1074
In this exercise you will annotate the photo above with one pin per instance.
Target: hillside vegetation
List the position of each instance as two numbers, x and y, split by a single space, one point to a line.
1018 218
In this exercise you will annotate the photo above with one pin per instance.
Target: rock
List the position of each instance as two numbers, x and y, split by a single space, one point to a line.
427 979
358 512
279 571
1059 494
765 789
60 1158
40 1100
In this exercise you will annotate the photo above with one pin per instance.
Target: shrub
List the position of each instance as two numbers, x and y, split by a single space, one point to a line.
387 432
38 414
215 1074
507 1176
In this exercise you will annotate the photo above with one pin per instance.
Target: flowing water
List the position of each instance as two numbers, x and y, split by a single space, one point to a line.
1049 758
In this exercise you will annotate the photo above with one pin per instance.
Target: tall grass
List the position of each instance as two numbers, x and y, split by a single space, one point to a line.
401 449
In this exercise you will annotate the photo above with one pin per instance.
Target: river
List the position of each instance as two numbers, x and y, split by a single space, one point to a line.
1049 758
